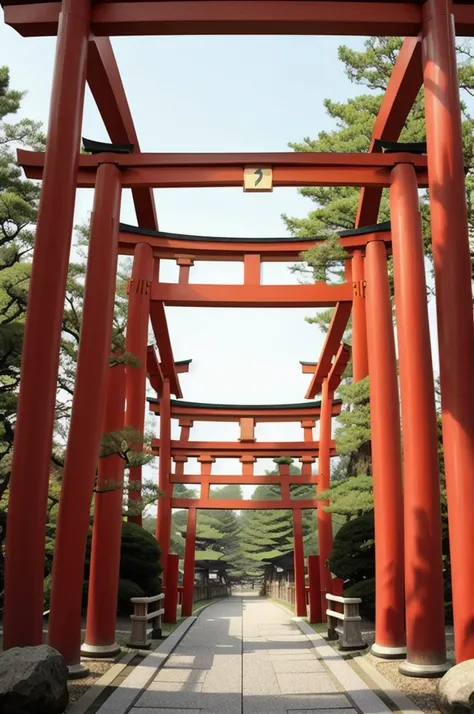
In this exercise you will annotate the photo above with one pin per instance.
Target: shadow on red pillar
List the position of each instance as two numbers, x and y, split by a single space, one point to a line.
452 266
87 415
139 294
163 524
300 588
171 590
338 589
189 563
107 532
386 459
25 546
324 481
424 589
314 582
360 360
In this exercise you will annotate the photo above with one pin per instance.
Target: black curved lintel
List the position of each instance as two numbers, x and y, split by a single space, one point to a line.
241 407
375 228
126 228
397 147
99 147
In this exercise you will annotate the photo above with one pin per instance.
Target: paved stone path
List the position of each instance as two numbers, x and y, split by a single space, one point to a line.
246 655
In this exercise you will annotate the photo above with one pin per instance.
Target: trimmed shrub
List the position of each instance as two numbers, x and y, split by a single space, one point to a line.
127 589
366 591
353 552
140 559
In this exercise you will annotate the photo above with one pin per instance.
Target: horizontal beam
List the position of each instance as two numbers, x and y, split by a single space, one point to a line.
197 411
237 17
231 449
227 170
173 245
244 505
219 480
331 345
193 295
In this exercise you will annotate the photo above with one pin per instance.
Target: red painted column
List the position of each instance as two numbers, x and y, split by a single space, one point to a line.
324 481
107 532
87 414
137 344
23 613
424 591
449 233
171 594
314 581
300 591
360 360
163 524
386 459
189 562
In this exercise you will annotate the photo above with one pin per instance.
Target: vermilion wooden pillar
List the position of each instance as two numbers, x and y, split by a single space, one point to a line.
189 563
314 582
107 532
86 419
137 344
171 596
324 481
360 364
163 524
23 613
300 591
386 459
424 591
452 266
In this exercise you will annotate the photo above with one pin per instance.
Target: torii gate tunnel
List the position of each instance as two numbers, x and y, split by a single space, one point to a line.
409 579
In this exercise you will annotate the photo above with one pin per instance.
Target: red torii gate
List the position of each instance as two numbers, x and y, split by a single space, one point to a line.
428 58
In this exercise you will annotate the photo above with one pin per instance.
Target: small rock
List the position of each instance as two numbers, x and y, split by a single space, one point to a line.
456 689
33 680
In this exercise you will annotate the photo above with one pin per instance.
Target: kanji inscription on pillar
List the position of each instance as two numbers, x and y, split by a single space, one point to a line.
257 179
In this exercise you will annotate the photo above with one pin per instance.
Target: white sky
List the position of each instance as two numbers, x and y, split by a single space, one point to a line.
217 94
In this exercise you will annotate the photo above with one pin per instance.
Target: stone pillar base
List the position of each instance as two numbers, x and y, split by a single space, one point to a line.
423 670
99 651
388 652
77 671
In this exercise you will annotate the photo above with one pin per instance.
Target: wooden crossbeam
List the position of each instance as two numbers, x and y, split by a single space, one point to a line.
235 17
173 245
219 480
269 296
244 505
197 411
226 170
230 449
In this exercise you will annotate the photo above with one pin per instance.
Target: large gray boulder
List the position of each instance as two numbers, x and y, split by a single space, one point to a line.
456 689
33 680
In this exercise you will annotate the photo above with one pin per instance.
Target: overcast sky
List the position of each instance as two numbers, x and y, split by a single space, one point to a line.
217 94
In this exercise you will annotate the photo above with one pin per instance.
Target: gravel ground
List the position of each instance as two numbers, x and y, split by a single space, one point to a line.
78 687
421 690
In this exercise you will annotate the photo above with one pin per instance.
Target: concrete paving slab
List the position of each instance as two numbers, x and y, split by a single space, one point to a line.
175 686
171 674
147 710
283 666
311 711
305 683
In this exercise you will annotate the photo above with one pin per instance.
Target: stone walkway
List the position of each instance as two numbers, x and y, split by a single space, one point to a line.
246 655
